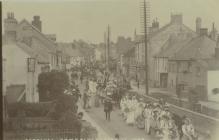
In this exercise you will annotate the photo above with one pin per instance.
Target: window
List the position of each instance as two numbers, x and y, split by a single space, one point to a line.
198 71
31 64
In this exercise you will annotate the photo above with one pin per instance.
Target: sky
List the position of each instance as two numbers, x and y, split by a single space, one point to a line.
88 19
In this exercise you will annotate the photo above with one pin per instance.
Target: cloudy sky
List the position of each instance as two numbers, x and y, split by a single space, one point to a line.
88 19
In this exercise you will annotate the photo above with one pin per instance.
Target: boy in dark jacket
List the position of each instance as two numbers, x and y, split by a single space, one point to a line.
108 107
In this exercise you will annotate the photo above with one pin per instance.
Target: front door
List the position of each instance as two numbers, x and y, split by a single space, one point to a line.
163 80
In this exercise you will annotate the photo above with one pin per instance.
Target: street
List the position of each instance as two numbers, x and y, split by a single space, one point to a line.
91 72
117 125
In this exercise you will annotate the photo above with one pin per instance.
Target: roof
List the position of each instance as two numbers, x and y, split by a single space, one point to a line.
69 49
130 52
14 93
171 26
50 46
33 52
172 46
201 47
122 45
158 38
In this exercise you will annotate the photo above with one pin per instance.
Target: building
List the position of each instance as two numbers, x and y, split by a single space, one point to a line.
188 69
31 35
98 54
168 50
26 51
72 53
127 61
157 38
22 67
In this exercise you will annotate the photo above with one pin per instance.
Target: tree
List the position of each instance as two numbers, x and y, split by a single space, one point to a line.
52 84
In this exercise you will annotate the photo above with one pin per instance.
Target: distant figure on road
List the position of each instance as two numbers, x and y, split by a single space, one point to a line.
117 137
85 99
138 84
108 107
81 77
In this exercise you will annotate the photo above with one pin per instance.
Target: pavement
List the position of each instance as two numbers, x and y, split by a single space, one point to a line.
101 133
141 90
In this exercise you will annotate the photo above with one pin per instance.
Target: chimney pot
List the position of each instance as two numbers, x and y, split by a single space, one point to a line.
177 18
198 24
37 23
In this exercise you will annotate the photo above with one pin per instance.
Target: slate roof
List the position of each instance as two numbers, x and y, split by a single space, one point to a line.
14 93
50 45
172 26
201 47
172 46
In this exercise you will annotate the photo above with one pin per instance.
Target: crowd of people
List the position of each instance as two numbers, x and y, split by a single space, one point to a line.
156 118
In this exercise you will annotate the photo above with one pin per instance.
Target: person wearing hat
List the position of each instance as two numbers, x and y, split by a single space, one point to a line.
108 107
131 114
138 114
85 99
188 130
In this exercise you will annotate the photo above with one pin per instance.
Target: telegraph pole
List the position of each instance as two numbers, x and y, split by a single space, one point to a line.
146 18
105 47
108 47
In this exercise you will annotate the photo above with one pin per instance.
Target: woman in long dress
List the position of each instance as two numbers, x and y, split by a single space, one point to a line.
131 114
147 116
122 106
140 117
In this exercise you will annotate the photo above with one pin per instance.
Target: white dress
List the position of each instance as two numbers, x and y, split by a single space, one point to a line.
131 113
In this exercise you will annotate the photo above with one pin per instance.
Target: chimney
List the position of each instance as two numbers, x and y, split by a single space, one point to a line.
198 25
154 27
217 49
155 24
213 34
204 31
37 23
10 26
176 18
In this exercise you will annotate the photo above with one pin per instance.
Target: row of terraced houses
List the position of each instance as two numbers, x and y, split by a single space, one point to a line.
178 57
27 52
